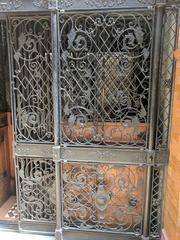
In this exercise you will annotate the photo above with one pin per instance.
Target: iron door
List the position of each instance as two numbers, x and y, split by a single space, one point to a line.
110 148
91 94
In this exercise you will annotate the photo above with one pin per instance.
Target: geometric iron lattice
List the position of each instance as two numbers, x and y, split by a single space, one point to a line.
166 76
156 202
32 78
105 77
103 197
36 189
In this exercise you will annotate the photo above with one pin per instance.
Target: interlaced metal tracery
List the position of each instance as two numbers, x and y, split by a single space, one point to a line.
36 182
105 77
95 78
103 197
32 78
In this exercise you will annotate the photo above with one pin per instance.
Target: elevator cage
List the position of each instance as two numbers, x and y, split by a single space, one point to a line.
91 89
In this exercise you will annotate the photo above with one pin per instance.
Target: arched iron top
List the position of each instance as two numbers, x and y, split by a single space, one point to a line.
44 5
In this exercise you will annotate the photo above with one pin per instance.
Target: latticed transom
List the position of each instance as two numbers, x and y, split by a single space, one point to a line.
105 77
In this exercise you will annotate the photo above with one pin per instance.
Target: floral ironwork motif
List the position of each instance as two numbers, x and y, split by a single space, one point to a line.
36 183
32 78
105 3
41 3
10 4
105 78
147 1
103 197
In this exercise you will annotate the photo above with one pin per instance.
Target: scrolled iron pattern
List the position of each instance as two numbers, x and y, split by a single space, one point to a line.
36 189
105 78
41 3
103 197
156 202
166 76
10 5
32 78
106 3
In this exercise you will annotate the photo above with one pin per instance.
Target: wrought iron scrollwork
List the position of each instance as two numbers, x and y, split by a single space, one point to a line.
32 78
106 3
103 197
105 78
10 4
41 3
36 187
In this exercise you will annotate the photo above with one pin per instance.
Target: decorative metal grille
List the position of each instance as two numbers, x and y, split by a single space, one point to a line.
166 75
4 81
156 201
36 189
105 77
103 197
32 78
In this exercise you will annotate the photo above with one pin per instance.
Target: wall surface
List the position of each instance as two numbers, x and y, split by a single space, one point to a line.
172 191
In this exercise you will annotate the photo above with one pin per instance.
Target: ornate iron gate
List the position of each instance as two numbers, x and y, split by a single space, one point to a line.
91 95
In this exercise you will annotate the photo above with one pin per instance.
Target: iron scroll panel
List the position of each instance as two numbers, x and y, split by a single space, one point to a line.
30 45
103 197
105 77
36 189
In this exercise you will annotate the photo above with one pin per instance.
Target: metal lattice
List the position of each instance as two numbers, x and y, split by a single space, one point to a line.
156 202
166 76
36 189
103 197
105 78
32 78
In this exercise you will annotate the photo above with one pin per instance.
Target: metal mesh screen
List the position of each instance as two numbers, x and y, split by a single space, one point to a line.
156 202
32 78
105 78
166 76
36 189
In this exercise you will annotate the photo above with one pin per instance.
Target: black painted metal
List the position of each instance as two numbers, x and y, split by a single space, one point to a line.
106 69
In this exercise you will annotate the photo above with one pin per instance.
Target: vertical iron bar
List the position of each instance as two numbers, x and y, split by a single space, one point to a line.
153 111
55 63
